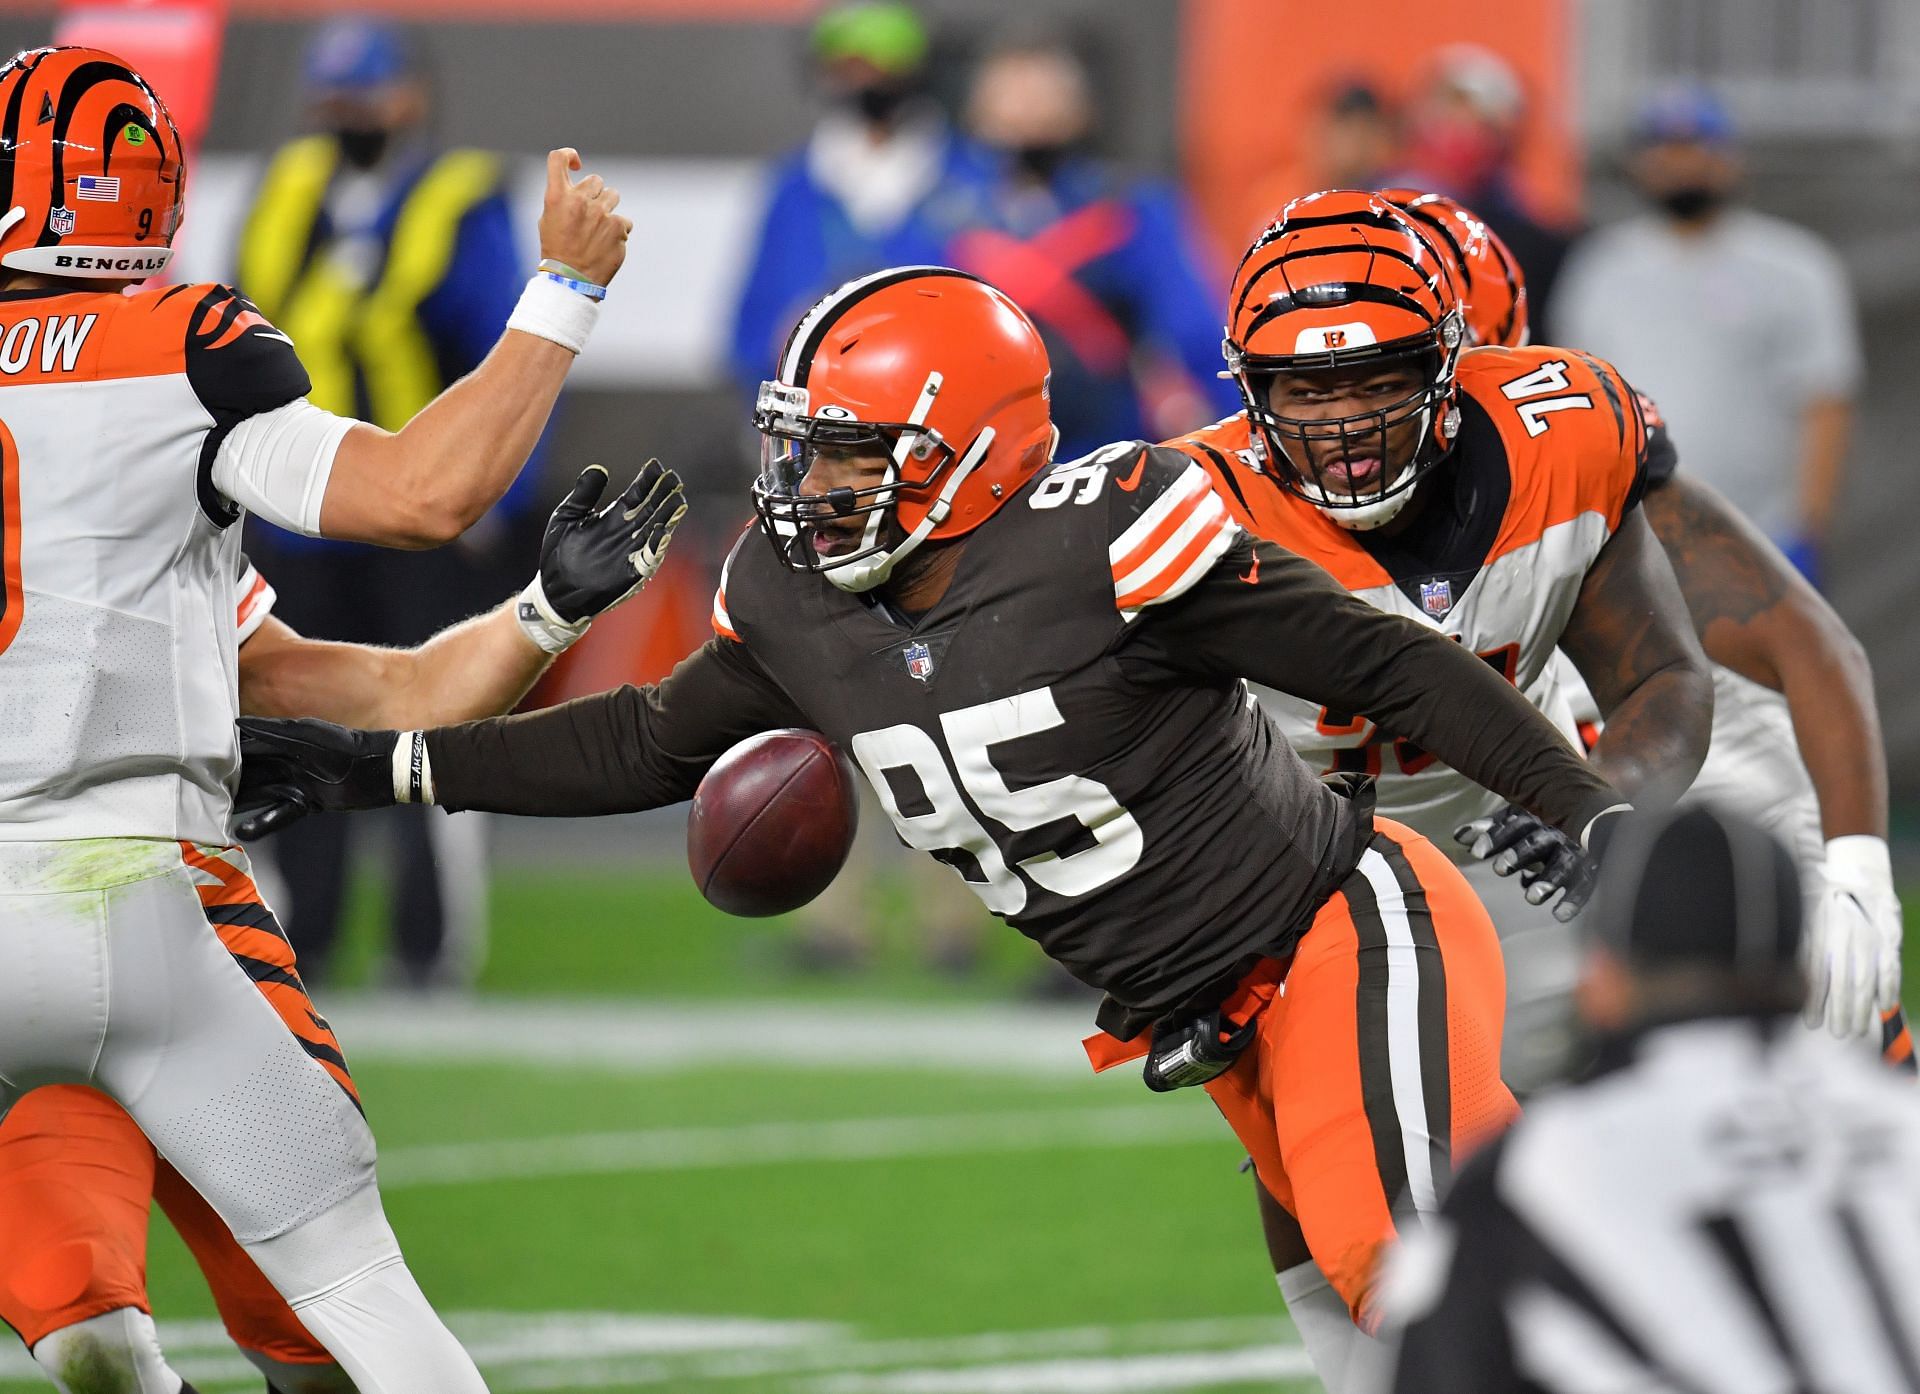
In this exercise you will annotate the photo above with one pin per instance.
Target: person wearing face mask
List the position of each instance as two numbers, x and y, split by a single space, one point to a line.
1741 325
1463 129
882 180
392 264
1111 268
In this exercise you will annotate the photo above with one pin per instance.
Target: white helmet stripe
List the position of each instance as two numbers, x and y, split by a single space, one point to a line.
813 326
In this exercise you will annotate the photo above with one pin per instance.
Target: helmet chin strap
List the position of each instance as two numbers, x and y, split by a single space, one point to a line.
869 572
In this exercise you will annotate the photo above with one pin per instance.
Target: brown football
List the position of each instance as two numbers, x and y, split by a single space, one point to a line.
772 823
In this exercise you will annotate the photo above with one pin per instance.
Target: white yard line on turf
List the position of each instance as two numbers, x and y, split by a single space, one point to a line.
523 1352
639 1037
1158 1123
1137 1373
992 1349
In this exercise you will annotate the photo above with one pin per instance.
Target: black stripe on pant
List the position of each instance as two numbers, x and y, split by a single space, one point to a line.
1436 1079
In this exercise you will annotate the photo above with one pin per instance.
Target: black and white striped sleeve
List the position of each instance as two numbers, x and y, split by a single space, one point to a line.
1444 1300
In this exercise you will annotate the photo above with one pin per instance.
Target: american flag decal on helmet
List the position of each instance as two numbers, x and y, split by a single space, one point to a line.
98 188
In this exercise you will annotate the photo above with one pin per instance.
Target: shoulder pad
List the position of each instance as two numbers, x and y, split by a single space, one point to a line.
1167 527
1565 412
238 363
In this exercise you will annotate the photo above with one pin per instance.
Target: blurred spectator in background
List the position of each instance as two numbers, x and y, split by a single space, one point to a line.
1727 1201
1110 268
1357 138
1741 326
392 265
1462 129
882 181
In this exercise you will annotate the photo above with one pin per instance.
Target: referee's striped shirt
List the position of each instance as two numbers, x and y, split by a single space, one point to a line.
1731 1206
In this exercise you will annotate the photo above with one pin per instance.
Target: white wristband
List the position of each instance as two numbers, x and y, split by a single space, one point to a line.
539 622
1860 859
412 769
550 311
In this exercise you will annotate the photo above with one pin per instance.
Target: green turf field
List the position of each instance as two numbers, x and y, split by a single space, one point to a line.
789 1221
654 1158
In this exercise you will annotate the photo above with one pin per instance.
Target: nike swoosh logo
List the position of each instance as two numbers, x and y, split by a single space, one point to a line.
274 334
1253 572
1131 479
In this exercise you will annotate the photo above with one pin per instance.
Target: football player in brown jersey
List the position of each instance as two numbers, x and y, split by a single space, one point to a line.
1039 666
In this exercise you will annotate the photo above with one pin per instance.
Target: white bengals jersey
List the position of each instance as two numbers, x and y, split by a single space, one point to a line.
1553 452
118 668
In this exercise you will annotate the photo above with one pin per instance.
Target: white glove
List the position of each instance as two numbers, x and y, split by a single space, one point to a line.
1853 948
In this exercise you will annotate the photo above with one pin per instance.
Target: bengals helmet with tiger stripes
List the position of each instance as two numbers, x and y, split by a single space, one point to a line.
92 175
1342 280
1493 292
934 368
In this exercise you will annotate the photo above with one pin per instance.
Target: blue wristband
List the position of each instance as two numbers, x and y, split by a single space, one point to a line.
586 288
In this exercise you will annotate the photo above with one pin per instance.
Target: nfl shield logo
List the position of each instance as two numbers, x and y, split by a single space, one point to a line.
60 222
919 661
1436 598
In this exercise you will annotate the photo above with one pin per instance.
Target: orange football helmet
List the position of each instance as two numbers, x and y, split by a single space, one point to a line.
931 365
1342 280
1493 292
91 170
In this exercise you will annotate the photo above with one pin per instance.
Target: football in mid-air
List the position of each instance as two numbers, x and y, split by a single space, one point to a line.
772 823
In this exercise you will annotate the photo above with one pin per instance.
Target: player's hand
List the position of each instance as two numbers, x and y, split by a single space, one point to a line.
578 225
1549 862
591 559
290 768
1853 947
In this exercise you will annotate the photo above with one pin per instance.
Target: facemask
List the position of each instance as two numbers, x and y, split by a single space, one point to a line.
1691 201
362 146
878 103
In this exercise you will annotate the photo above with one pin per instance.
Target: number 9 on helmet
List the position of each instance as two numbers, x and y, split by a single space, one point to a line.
92 175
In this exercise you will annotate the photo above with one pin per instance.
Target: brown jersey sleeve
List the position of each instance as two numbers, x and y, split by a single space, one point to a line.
1264 613
620 751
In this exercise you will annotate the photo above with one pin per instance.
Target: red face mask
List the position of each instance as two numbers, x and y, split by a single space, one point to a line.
1458 152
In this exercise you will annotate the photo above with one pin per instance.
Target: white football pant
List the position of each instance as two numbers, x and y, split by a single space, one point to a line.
111 975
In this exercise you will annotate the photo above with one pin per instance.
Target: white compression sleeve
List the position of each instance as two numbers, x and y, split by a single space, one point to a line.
277 464
1345 1358
379 1327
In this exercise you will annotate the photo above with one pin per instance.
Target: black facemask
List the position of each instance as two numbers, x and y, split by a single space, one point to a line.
362 146
880 102
1042 162
1691 201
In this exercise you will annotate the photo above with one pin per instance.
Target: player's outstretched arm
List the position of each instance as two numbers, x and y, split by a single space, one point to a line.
427 483
615 752
1288 624
591 559
1630 637
1756 615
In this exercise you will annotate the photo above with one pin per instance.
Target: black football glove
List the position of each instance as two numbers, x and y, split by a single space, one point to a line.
592 559
1550 863
290 768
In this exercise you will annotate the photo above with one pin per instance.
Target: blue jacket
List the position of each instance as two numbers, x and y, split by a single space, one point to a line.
1104 266
807 246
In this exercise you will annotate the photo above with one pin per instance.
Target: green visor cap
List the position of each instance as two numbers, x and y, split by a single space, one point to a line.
888 35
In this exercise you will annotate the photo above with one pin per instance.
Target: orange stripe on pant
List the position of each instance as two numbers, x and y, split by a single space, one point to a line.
1377 1064
260 947
77 1179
